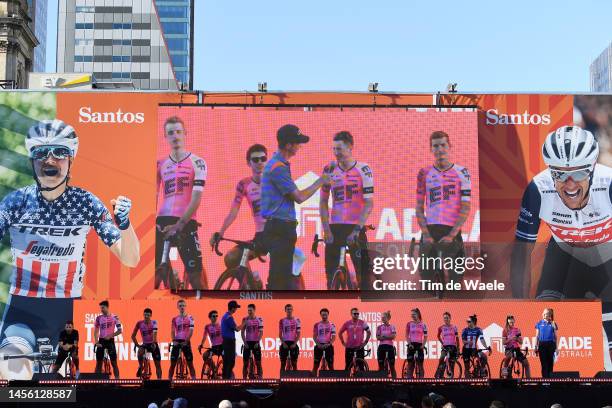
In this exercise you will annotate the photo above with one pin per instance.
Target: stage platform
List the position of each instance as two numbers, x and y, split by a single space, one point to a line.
332 392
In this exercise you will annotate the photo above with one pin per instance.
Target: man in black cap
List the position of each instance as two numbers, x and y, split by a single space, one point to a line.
228 332
278 197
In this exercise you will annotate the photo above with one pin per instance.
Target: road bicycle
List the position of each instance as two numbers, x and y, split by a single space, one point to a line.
180 370
412 360
358 364
476 368
165 273
451 366
213 365
240 277
515 368
341 279
251 370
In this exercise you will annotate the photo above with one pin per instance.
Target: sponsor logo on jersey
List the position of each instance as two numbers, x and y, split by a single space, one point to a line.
87 115
559 221
584 236
52 250
493 117
50 231
561 215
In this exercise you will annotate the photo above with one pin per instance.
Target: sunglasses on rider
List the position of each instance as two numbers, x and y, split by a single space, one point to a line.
42 152
576 175
214 315
259 159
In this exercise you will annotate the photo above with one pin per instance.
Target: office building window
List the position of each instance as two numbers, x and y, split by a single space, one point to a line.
84 26
175 28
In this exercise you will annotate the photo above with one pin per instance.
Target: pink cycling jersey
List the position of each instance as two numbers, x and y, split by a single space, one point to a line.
252 328
386 330
107 325
179 180
249 189
515 333
213 331
354 330
323 332
182 326
416 332
349 190
289 328
147 330
442 193
448 334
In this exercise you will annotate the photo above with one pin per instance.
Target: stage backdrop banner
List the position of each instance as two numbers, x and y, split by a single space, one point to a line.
580 340
395 143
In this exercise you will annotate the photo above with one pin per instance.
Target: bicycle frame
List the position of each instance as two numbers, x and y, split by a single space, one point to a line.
180 370
241 273
357 362
213 367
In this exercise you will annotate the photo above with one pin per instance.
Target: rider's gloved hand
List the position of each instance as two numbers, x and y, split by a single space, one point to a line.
121 211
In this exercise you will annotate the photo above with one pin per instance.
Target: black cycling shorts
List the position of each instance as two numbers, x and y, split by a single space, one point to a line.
251 346
108 345
185 348
155 353
285 352
416 352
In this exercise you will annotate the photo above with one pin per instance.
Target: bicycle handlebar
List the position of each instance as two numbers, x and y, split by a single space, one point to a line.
316 240
241 244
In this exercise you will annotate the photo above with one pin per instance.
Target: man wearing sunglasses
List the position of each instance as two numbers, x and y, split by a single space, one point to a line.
48 224
354 344
180 179
573 196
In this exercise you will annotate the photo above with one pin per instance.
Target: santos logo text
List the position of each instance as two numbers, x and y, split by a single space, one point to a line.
525 118
86 115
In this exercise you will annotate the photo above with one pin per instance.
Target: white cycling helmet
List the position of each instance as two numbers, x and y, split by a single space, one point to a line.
570 146
52 133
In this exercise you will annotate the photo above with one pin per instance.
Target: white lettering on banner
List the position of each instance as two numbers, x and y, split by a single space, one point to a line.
86 115
89 327
493 117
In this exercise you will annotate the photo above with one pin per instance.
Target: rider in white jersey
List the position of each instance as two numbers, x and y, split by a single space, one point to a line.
574 197
48 223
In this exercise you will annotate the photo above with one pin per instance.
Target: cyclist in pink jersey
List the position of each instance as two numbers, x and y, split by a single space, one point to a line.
513 340
289 332
443 204
106 327
352 190
148 330
448 335
324 335
416 339
180 181
212 331
252 332
354 343
181 331
385 334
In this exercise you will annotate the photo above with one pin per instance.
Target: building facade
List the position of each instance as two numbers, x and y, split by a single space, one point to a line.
601 71
38 14
17 42
144 44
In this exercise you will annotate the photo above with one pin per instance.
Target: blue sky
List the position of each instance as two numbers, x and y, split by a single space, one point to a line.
404 45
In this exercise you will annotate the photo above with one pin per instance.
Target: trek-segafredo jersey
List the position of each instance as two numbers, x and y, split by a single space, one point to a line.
586 234
48 239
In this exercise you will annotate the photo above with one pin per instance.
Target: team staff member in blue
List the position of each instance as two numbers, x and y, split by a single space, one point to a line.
546 341
278 197
228 332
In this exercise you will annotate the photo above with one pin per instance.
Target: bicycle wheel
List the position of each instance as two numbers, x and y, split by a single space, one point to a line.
206 372
217 372
146 371
405 369
361 365
235 279
485 370
107 368
455 370
509 370
339 279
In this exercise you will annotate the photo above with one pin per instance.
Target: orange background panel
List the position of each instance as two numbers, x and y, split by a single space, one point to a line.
580 345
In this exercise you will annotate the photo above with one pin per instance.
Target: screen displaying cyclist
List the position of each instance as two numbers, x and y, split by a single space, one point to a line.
470 336
352 190
251 333
416 339
181 330
442 204
354 345
68 345
385 334
106 327
212 331
289 332
180 180
148 331
513 340
448 335
573 197
324 335
48 223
